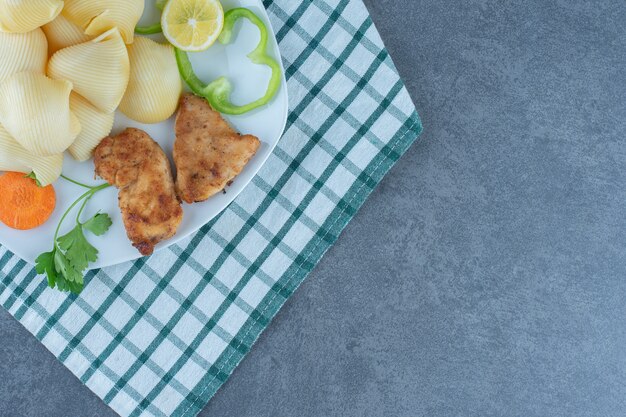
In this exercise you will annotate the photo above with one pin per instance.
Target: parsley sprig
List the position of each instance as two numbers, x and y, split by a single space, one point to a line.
71 253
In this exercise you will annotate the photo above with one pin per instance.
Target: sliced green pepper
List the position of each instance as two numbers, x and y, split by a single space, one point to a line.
217 93
155 28
149 30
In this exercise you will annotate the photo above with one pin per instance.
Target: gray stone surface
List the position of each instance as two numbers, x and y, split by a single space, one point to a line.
486 275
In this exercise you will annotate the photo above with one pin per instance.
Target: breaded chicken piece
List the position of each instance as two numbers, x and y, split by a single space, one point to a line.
136 164
208 153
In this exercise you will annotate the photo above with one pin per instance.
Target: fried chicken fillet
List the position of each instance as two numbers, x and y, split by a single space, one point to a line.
136 164
208 153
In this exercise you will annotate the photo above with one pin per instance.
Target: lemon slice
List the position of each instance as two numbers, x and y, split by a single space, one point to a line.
192 25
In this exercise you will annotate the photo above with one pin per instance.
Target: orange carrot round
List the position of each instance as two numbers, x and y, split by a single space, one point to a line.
23 204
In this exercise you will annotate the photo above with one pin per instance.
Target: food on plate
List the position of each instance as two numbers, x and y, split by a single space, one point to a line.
98 69
95 124
218 92
133 162
98 16
62 33
208 152
24 204
192 25
155 85
66 67
35 110
22 52
21 16
14 157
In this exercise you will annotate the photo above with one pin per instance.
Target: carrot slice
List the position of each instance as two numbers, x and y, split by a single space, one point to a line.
23 204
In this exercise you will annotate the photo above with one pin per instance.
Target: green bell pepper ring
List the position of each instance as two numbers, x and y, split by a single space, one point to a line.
217 93
149 30
155 28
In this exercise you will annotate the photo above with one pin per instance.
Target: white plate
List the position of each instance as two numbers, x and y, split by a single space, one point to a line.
268 123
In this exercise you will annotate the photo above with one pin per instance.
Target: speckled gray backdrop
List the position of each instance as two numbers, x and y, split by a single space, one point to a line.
499 240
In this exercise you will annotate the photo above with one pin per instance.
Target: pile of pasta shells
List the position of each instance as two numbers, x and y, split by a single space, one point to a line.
65 68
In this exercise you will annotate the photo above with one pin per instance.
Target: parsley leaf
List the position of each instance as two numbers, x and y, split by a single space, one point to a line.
44 264
65 268
65 285
78 251
98 224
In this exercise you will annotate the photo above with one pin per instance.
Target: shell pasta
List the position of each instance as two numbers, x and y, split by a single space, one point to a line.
35 110
22 52
62 33
67 67
14 157
99 69
98 16
96 125
155 84
21 16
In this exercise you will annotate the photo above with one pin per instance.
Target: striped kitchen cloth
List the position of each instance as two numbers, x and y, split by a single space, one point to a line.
159 336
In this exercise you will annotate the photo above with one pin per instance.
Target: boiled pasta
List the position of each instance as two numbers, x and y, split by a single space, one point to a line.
22 52
14 157
62 33
98 69
96 125
98 16
155 84
35 110
21 16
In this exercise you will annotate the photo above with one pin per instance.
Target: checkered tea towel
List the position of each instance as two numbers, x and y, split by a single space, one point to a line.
159 336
